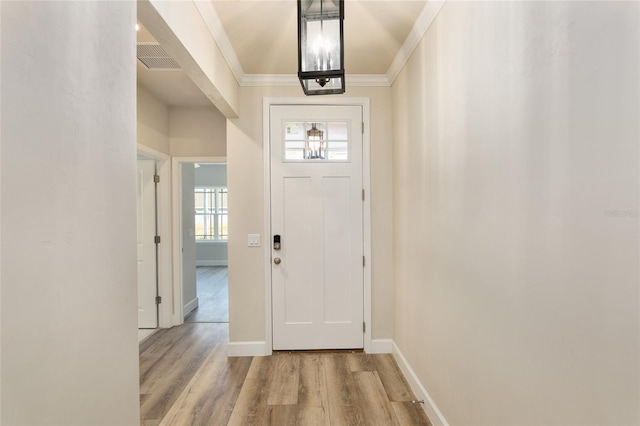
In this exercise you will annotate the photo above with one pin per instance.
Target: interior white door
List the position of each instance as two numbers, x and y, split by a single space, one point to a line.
316 210
146 212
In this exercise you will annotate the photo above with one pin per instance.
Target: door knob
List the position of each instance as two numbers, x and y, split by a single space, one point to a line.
277 260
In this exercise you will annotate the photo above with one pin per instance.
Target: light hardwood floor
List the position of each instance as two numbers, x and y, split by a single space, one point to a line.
187 379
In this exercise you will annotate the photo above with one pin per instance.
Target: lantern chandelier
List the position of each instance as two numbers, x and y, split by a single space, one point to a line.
321 46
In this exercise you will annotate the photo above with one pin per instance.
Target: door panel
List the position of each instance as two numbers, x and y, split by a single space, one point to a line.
337 242
316 208
146 215
298 250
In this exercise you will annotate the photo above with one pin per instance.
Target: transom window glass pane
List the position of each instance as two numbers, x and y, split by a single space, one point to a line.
316 141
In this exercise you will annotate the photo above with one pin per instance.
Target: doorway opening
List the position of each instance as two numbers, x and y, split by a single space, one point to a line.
202 233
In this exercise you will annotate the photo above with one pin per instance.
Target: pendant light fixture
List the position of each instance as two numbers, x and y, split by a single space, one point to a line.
321 46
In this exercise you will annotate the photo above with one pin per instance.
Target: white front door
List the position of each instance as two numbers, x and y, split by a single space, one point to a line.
316 210
146 212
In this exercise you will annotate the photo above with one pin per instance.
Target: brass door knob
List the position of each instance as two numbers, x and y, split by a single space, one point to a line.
277 260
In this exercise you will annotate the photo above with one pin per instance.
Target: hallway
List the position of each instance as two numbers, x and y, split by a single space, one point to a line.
187 379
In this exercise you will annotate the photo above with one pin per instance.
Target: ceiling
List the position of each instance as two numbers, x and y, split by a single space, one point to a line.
263 36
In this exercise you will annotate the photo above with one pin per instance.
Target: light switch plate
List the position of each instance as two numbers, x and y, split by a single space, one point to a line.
254 240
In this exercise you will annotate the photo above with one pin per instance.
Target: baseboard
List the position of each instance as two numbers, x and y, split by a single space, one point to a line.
190 306
381 346
212 263
434 414
246 348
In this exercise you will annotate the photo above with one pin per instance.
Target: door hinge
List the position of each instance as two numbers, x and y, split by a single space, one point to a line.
364 327
156 239
363 261
363 195
156 178
363 127
158 300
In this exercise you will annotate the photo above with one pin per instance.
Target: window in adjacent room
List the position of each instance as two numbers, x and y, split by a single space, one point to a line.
211 214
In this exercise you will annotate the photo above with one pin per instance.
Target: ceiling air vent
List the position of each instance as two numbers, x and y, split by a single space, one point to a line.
154 57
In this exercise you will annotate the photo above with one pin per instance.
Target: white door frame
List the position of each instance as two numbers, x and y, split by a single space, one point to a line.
163 207
366 212
176 169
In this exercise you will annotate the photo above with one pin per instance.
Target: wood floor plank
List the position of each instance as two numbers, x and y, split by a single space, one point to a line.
159 344
192 347
360 361
409 413
284 415
392 379
154 363
344 408
165 381
313 398
283 389
210 396
251 407
373 400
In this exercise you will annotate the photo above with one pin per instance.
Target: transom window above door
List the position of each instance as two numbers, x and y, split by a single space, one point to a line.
306 141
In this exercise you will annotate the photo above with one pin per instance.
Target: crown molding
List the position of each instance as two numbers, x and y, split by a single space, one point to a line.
368 80
421 26
291 80
276 80
424 21
211 19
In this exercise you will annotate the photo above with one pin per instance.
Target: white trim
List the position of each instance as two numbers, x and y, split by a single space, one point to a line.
366 182
266 153
270 80
291 80
424 21
212 263
212 20
190 306
176 180
147 151
165 262
381 346
367 80
247 349
366 220
434 414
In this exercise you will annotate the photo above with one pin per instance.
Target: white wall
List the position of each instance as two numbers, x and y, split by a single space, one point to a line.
197 131
515 137
68 248
210 253
152 121
189 293
245 174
